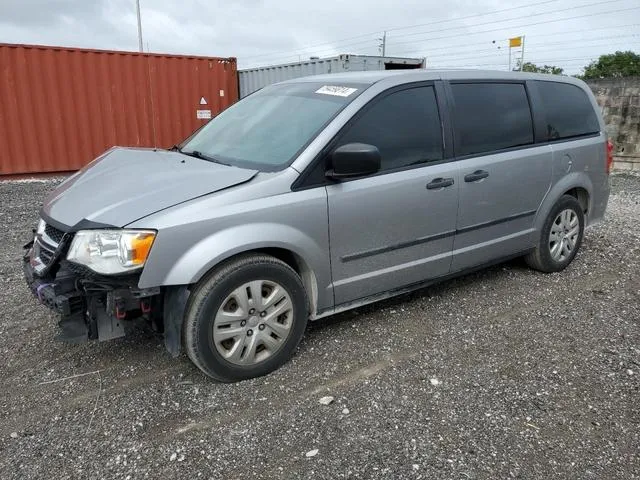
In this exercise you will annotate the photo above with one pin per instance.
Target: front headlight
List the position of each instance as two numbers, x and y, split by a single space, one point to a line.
41 226
111 251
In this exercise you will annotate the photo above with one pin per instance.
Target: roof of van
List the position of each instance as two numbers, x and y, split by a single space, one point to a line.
371 77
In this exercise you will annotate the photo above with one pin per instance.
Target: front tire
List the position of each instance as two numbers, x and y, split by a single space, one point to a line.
246 318
560 238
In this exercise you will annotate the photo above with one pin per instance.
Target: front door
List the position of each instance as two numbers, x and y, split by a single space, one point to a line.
503 176
396 228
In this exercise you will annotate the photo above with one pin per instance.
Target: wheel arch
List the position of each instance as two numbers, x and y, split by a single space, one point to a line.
582 195
289 245
295 261
577 184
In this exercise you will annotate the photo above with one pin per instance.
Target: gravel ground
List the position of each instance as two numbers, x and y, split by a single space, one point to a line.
504 373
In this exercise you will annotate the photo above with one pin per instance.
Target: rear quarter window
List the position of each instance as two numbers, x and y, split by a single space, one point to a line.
567 110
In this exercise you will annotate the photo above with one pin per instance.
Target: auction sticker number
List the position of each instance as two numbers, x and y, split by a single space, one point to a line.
336 90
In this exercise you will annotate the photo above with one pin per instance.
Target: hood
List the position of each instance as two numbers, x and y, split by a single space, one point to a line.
126 184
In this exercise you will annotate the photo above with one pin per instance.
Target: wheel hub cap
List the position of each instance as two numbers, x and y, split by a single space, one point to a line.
563 237
253 322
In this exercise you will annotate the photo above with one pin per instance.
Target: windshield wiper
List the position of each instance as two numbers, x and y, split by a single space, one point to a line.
202 156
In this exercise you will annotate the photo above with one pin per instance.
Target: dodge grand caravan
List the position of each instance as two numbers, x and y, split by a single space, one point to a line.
314 196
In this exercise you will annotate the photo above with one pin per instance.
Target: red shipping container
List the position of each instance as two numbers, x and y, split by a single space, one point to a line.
62 107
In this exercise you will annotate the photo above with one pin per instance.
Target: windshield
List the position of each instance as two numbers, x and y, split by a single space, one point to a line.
266 130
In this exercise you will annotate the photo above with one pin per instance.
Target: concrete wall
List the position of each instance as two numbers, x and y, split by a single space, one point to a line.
619 99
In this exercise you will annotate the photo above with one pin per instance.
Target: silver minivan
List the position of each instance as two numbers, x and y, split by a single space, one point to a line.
314 196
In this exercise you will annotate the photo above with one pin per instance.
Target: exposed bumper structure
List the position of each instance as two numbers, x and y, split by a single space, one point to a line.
90 306
50 293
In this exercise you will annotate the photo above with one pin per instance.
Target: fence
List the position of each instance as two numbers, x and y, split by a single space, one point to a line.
619 99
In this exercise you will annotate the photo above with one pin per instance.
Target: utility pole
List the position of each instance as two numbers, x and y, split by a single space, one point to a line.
139 26
383 45
499 48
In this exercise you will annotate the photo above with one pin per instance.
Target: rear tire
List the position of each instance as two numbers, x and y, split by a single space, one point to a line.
246 318
560 238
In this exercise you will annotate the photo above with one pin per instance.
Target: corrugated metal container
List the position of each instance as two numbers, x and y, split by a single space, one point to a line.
253 79
62 107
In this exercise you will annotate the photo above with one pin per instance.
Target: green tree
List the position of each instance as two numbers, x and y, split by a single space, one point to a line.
619 64
532 67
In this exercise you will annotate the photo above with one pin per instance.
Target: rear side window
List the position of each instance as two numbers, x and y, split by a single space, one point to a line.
568 111
404 125
490 116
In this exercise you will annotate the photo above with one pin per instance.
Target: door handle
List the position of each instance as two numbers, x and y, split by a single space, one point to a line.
439 182
475 176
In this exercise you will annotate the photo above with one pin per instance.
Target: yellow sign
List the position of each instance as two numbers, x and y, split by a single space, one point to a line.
515 42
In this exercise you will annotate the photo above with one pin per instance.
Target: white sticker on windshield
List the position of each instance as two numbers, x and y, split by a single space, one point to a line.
335 90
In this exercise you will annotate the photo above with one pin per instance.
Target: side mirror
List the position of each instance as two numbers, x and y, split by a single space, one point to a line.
354 160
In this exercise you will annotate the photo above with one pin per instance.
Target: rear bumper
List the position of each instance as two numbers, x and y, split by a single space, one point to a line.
600 200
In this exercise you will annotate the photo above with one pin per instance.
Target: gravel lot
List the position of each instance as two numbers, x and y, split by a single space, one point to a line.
504 373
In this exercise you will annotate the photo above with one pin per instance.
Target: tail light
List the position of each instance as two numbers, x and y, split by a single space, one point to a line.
609 165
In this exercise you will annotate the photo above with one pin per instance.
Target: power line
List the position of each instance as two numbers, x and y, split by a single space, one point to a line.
405 27
372 41
562 60
529 24
466 45
523 25
548 61
514 18
307 47
451 28
534 48
492 53
500 29
335 44
529 58
535 60
474 16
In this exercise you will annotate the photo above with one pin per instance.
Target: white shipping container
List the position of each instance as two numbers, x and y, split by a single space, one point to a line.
253 79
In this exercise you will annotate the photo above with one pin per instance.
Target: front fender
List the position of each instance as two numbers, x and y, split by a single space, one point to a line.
190 268
192 264
195 236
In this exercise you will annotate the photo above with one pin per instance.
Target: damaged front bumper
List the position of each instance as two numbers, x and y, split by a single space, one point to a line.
90 306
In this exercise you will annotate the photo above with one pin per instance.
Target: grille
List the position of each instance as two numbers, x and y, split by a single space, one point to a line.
45 256
53 233
46 245
44 251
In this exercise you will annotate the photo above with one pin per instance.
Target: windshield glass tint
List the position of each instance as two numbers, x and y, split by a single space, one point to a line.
266 130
